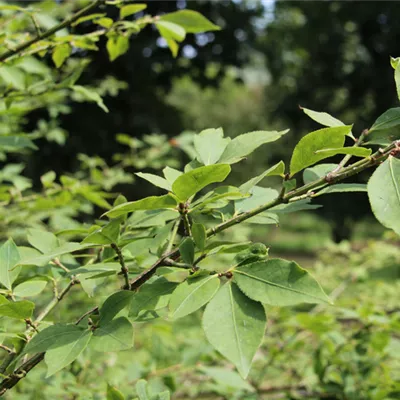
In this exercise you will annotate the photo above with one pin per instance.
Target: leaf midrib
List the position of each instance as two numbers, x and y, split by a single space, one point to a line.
192 293
280 286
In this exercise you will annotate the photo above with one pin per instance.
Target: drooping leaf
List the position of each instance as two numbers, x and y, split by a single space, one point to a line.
199 236
30 288
322 118
59 357
304 153
193 181
279 282
155 180
354 151
186 248
148 203
117 45
243 145
130 9
114 304
277 169
384 193
190 21
170 31
152 296
389 119
114 394
342 188
17 309
192 294
42 240
395 62
61 53
235 325
9 258
209 145
114 335
90 95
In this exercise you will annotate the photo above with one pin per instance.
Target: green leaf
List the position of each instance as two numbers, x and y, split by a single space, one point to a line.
193 181
218 198
16 143
171 174
155 180
209 145
243 145
148 203
299 205
384 193
191 21
279 282
277 169
170 31
30 288
259 196
61 53
235 325
116 46
152 296
192 294
17 309
141 390
322 118
173 46
389 119
56 335
114 394
395 62
42 240
130 9
342 188
186 248
13 76
115 335
59 357
114 304
9 258
354 151
107 234
173 274
59 251
227 378
199 236
304 153
317 172
90 95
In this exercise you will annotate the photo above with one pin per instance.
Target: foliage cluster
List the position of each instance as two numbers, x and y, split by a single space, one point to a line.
158 257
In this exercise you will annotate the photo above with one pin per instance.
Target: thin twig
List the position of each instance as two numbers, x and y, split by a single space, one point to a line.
66 23
124 268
